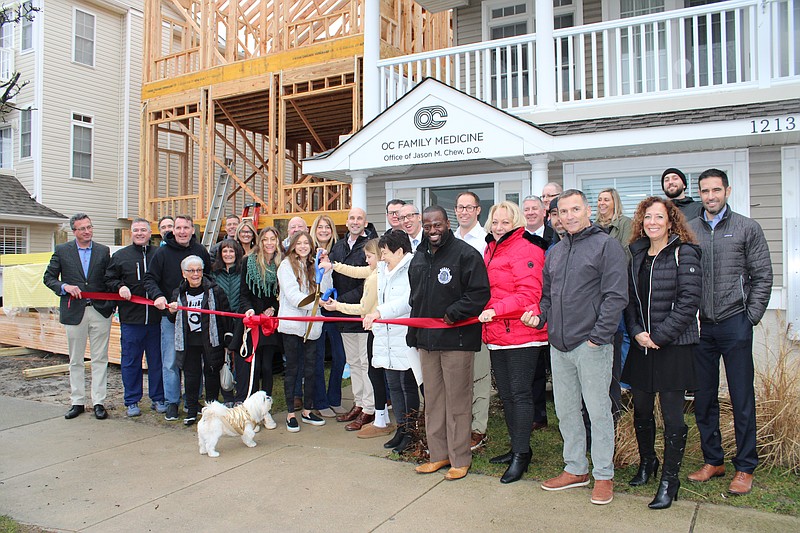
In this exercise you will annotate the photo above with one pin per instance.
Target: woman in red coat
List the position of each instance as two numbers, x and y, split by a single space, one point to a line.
514 260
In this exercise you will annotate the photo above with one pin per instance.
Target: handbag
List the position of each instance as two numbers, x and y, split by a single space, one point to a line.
226 380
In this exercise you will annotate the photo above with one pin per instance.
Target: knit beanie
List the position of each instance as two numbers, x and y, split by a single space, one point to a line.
680 174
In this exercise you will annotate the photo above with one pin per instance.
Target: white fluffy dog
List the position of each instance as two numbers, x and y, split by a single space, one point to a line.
218 420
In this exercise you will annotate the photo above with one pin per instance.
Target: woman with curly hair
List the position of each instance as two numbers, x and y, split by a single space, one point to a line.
297 280
258 295
665 284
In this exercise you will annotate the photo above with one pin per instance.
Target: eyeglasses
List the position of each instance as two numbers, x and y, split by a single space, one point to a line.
467 208
194 270
85 228
393 213
407 217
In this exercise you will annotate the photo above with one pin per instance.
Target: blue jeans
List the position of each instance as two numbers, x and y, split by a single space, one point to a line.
585 372
135 340
333 396
169 366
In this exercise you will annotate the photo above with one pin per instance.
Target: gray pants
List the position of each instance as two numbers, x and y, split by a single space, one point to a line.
585 372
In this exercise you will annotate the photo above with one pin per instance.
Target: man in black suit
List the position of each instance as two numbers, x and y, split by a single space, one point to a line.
75 267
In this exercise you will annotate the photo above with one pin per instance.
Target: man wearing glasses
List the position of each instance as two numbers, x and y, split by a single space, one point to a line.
411 224
468 208
75 267
393 214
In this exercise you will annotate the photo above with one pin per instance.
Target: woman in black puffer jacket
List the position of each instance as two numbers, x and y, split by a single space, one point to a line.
665 288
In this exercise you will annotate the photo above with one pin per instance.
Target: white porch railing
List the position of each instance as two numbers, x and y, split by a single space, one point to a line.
732 44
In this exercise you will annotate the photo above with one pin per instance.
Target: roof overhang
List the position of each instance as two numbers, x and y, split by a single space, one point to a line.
31 218
432 123
435 6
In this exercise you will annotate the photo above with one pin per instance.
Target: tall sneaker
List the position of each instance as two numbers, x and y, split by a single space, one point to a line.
190 419
172 412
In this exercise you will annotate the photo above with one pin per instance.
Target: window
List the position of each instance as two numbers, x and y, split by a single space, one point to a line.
81 146
7 48
13 240
25 133
83 38
6 157
631 43
26 29
509 20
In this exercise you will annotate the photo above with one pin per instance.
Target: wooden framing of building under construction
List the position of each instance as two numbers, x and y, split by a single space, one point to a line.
249 88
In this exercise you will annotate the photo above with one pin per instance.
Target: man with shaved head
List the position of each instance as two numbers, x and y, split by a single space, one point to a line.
350 251
296 224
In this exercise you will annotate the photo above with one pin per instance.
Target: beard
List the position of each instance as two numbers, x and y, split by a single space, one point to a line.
674 194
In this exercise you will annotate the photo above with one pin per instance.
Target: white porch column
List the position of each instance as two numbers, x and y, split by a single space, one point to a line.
539 175
359 188
372 51
545 57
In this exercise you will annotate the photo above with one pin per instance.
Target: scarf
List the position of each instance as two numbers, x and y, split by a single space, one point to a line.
258 285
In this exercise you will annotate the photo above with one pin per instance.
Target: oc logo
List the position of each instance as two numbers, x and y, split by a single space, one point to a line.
430 118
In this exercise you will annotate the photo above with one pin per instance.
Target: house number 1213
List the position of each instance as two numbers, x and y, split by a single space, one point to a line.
772 125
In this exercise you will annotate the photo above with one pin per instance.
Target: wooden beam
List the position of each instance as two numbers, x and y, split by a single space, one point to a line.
46 371
16 350
308 125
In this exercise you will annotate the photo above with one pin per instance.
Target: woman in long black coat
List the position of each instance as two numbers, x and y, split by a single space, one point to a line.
665 284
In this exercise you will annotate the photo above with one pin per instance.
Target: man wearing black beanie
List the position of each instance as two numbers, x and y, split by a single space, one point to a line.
673 183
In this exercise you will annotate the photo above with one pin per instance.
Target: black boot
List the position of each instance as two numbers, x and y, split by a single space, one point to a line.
519 465
502 459
394 441
405 443
674 446
648 462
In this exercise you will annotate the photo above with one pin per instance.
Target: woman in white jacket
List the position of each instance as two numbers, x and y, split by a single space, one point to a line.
390 351
297 280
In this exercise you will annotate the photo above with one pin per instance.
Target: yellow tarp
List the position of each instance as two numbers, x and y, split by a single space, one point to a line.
23 287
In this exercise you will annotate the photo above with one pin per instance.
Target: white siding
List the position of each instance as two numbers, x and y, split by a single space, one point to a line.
766 204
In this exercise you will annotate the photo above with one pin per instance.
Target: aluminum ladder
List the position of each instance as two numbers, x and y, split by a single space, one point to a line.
215 213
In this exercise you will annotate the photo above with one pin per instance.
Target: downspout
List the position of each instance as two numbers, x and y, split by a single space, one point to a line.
372 51
38 102
126 115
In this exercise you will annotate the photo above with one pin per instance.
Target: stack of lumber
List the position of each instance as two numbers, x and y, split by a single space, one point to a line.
43 331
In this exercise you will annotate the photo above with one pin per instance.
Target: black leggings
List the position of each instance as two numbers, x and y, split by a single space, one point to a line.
405 394
513 371
262 374
376 376
296 350
193 369
671 406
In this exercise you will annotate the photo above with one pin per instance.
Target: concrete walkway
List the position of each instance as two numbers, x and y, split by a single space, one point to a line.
124 475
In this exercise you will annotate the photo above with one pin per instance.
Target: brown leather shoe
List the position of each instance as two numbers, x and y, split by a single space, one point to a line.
433 466
603 491
742 483
456 472
350 415
298 403
707 472
565 480
477 440
361 420
537 426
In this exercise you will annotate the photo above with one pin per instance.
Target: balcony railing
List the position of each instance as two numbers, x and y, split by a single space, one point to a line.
727 45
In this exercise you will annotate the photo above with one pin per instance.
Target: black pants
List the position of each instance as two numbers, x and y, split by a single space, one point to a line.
540 386
513 371
262 373
404 392
376 376
195 366
733 340
294 350
671 406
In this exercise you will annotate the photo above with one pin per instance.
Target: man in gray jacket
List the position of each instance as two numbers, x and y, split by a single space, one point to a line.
585 290
737 282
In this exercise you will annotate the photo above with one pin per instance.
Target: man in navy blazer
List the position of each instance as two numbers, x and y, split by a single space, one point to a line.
75 267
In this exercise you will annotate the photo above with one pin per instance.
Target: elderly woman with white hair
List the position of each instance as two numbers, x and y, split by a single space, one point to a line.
200 338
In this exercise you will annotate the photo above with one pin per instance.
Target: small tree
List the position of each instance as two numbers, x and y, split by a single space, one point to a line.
12 86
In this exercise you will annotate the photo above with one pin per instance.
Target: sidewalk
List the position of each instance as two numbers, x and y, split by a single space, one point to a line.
123 475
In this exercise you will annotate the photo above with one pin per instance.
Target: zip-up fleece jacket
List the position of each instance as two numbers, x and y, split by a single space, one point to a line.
514 264
676 284
737 269
164 274
127 269
452 282
585 289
